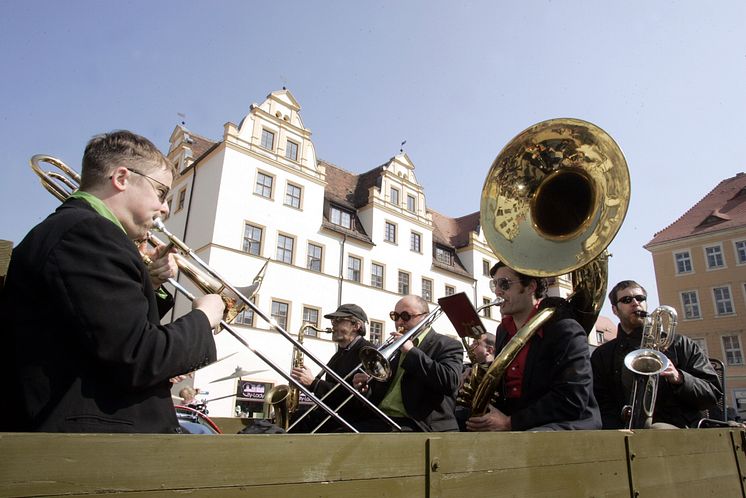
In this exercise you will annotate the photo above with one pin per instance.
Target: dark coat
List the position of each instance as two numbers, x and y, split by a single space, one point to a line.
86 350
557 387
681 405
429 384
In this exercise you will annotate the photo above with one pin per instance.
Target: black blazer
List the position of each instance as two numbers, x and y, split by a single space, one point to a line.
429 384
557 388
87 352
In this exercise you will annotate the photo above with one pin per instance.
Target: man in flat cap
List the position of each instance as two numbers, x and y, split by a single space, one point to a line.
348 329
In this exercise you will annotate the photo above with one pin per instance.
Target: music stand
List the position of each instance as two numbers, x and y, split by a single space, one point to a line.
462 315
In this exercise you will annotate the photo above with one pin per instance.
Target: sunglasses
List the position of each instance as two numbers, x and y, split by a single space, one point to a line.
501 283
628 299
404 315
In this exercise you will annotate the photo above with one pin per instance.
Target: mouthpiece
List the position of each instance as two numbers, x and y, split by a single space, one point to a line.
641 313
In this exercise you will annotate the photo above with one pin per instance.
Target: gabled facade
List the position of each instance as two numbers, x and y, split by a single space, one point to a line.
700 270
331 236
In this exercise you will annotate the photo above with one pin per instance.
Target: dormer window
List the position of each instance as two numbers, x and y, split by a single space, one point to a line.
340 217
444 255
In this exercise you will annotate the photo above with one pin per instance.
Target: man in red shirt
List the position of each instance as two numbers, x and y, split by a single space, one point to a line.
548 386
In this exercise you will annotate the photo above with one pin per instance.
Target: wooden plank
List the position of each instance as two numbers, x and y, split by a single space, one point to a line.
684 463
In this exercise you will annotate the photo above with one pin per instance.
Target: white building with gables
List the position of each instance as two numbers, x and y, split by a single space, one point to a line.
331 236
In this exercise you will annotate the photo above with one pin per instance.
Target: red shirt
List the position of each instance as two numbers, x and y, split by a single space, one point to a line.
514 374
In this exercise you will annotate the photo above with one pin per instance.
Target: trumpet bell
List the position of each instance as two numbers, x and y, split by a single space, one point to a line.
555 197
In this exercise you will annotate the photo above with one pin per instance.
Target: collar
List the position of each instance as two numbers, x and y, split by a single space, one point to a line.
352 343
509 322
97 205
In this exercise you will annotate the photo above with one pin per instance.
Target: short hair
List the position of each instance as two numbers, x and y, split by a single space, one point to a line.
420 301
621 286
107 151
188 393
541 282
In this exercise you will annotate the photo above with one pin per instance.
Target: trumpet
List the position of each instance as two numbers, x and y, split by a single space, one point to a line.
62 185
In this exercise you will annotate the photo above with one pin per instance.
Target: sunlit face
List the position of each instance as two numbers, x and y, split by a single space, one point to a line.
480 349
144 204
628 312
411 307
518 298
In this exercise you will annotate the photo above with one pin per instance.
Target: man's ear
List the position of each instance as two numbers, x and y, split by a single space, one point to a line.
119 178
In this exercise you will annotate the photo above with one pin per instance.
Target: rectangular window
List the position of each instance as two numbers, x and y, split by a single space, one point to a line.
450 290
427 290
376 332
291 150
182 198
263 185
310 316
714 256
340 217
487 311
394 196
390 234
683 262
411 203
280 312
353 268
599 337
285 248
292 196
732 350
376 275
314 257
741 252
252 239
246 317
415 242
443 255
268 140
690 302
485 268
403 282
723 301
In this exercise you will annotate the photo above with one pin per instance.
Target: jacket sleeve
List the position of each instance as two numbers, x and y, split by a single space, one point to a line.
441 372
603 387
701 388
97 271
570 384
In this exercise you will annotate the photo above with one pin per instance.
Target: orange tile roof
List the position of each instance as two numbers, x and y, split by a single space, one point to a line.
723 208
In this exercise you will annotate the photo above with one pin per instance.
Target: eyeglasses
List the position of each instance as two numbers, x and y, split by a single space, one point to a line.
162 193
404 315
341 319
628 299
502 283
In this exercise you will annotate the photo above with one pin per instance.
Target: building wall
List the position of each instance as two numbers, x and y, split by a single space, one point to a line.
710 326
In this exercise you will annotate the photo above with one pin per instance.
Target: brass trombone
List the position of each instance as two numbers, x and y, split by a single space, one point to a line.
63 185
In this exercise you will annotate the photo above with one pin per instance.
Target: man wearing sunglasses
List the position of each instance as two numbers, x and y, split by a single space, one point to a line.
86 351
687 387
348 331
548 386
420 394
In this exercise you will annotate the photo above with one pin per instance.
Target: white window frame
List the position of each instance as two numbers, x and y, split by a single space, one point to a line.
418 237
312 258
260 188
715 301
292 198
382 276
719 247
308 311
738 252
685 305
411 203
376 336
688 259
449 290
739 349
244 239
275 313
262 139
386 235
395 196
284 248
342 214
429 297
354 274
291 145
400 283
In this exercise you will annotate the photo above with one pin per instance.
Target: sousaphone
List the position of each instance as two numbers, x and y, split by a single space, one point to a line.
552 202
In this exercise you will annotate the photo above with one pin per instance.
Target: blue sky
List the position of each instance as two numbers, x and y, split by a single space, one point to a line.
456 80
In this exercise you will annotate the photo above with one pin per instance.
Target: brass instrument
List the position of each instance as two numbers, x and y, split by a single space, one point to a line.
63 185
284 398
646 363
552 202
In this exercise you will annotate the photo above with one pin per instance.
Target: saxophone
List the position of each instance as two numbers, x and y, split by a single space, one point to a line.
284 398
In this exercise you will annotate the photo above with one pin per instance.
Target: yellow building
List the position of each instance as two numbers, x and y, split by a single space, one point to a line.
700 269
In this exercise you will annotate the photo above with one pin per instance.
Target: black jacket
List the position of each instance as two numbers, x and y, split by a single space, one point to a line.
681 405
431 378
81 325
557 388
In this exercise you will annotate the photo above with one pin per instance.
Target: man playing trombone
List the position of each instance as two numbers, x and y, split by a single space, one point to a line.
348 331
86 350
420 393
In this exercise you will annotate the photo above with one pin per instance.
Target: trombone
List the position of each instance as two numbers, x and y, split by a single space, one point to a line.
62 185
